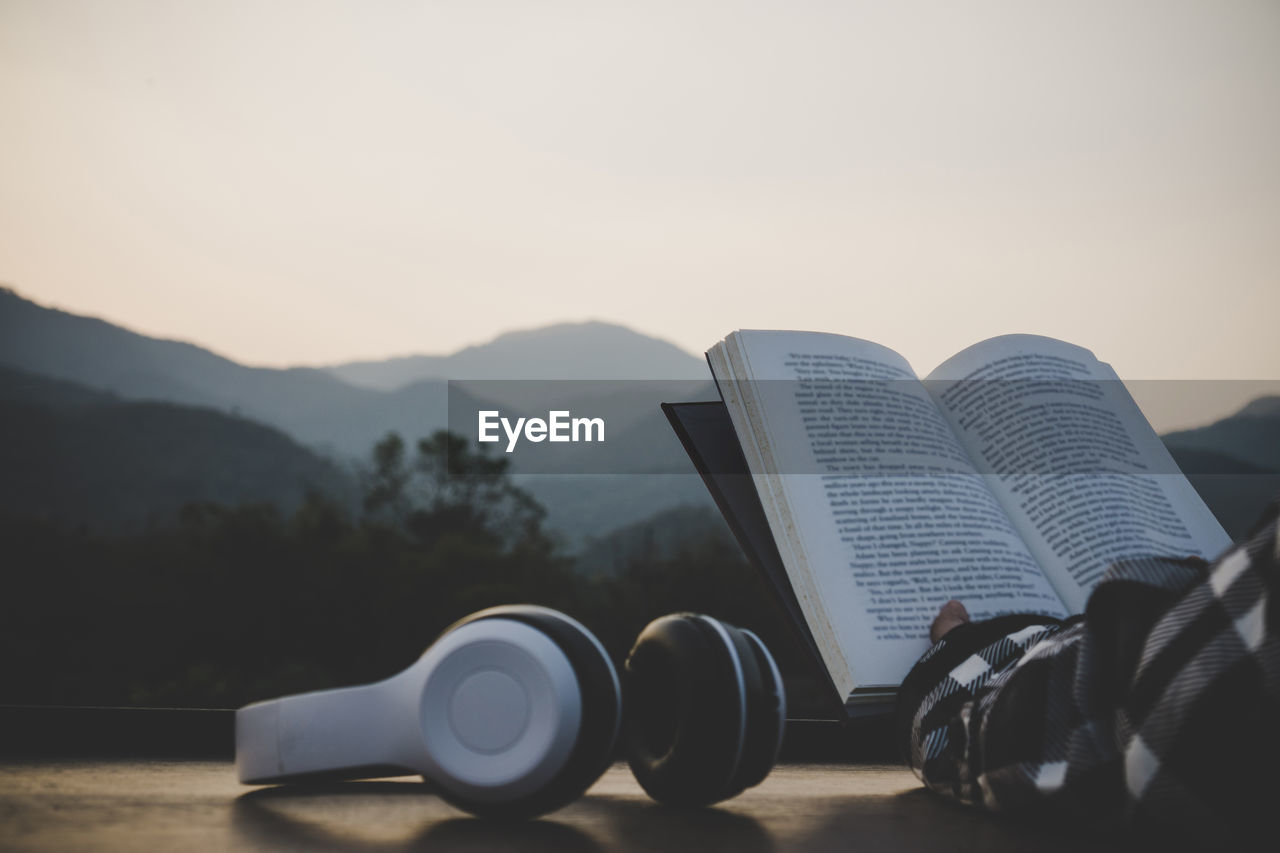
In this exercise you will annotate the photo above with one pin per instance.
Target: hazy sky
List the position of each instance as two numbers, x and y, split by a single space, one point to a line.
307 182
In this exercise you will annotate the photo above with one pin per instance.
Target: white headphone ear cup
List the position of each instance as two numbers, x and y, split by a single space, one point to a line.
594 687
498 709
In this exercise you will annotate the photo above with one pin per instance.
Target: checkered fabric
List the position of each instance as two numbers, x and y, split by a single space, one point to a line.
1161 703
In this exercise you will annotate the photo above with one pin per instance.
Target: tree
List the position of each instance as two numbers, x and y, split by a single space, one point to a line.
385 485
450 489
473 491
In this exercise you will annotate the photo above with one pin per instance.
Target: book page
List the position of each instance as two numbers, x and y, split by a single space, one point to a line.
727 365
1079 470
878 512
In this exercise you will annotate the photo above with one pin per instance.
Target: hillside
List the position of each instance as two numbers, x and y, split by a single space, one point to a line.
341 411
312 405
658 537
1251 435
315 406
79 456
591 350
342 420
1234 463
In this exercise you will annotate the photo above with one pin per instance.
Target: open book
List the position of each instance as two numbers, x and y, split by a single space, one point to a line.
1009 478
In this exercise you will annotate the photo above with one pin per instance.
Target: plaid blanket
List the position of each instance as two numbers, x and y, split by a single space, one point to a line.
1160 704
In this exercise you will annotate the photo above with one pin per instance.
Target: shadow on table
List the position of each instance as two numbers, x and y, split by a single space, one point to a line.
351 816
921 820
376 816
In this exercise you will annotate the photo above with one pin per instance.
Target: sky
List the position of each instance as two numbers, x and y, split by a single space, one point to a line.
309 182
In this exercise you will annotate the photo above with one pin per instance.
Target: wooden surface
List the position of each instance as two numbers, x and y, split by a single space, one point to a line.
198 805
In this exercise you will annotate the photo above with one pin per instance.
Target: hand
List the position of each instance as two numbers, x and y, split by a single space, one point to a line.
949 616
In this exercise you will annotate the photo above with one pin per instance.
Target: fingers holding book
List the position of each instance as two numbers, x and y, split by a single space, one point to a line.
949 616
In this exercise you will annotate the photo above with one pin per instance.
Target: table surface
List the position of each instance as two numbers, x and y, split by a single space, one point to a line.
198 805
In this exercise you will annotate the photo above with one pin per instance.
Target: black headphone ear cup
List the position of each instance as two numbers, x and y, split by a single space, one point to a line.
705 710
766 711
686 711
601 713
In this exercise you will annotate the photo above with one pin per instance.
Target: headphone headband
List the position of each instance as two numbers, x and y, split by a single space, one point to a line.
490 711
515 711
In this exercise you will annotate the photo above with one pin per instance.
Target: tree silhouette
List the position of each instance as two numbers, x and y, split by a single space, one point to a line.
385 483
236 603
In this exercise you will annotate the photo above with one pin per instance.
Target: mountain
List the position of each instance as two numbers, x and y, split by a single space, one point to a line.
343 420
1234 463
312 405
316 406
591 350
1263 407
1251 435
73 454
342 411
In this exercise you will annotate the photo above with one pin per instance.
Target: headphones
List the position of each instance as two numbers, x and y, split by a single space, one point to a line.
516 710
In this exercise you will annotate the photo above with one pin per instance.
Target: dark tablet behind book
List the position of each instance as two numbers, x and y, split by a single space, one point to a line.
707 434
